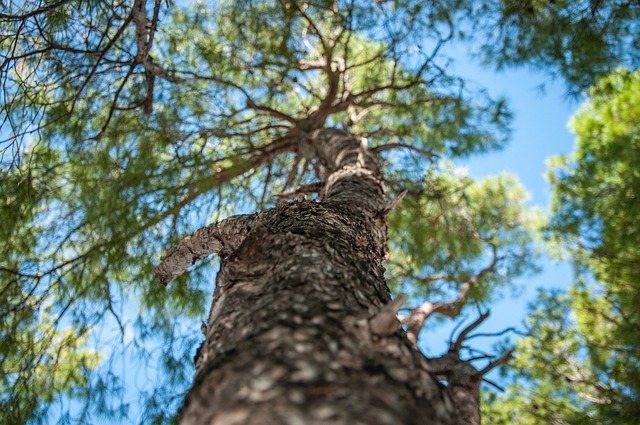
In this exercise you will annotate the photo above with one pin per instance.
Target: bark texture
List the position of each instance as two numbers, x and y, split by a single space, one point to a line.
298 331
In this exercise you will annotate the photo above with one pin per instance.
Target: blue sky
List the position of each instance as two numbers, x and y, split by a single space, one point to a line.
539 126
539 131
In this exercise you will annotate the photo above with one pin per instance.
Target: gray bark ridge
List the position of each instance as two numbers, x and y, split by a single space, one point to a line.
300 330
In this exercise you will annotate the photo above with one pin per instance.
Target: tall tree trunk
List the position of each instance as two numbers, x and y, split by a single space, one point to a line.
302 330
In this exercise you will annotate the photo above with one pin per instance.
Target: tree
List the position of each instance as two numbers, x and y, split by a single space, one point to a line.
128 123
580 362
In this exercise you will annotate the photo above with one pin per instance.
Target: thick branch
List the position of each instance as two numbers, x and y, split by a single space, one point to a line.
419 315
220 237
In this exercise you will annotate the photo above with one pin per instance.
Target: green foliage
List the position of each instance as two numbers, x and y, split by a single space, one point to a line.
451 228
57 56
62 367
596 197
579 41
581 360
578 365
107 162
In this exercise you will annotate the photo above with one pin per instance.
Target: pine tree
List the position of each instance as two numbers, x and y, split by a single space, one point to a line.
128 124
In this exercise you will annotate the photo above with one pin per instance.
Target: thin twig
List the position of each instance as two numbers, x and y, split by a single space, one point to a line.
492 365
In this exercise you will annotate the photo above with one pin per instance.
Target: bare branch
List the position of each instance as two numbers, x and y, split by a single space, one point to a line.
114 104
451 309
494 334
144 37
394 203
493 384
463 335
293 173
273 112
492 365
110 44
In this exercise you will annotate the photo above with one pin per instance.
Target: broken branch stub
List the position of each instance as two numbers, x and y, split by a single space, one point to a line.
216 238
386 321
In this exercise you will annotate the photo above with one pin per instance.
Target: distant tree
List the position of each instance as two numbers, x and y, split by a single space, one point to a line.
127 125
578 41
581 362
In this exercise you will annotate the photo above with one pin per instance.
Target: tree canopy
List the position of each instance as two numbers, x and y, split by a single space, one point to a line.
577 41
127 125
580 361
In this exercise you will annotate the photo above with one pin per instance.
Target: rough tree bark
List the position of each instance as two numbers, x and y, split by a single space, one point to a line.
302 328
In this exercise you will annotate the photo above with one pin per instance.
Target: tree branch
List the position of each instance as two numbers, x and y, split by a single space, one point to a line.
144 39
220 237
385 322
492 365
35 12
451 309
457 345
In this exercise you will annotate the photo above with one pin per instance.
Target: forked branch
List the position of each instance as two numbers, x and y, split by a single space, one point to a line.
457 345
415 321
452 366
